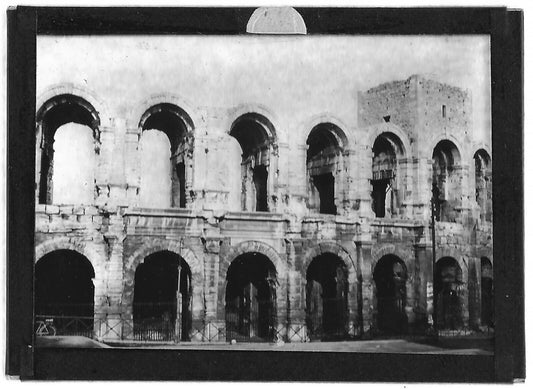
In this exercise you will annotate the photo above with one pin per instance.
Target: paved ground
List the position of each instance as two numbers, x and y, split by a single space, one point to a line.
68 342
476 346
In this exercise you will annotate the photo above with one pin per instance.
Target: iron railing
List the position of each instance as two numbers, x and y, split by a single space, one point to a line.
121 328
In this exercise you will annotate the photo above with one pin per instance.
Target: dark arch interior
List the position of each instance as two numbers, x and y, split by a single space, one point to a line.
487 293
321 138
250 132
173 122
254 134
165 118
155 301
448 280
390 276
251 298
445 155
445 158
65 109
482 160
64 288
323 153
386 149
56 112
327 297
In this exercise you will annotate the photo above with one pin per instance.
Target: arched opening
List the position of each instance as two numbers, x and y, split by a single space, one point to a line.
390 276
324 163
446 180
386 197
251 298
483 175
164 163
72 145
327 297
448 288
162 298
64 292
487 293
256 137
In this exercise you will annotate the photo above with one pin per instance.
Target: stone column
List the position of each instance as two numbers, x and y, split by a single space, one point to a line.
423 309
296 327
366 293
211 268
132 168
463 190
353 298
474 292
362 175
104 164
406 187
422 184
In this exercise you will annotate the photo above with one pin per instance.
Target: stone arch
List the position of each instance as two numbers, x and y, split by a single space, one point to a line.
374 131
137 113
86 94
251 246
262 111
257 137
460 147
327 248
380 251
329 275
451 289
340 127
63 243
448 179
156 245
391 284
457 255
327 163
388 172
269 282
481 146
54 112
64 288
173 168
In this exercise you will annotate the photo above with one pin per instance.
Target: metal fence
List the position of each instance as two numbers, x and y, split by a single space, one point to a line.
144 331
65 325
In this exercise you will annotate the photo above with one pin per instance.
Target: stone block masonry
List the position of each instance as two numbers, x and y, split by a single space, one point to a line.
286 268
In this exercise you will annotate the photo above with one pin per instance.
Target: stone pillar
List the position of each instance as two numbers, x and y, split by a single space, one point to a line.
296 326
213 323
103 165
132 168
423 281
474 292
362 175
353 204
406 187
366 282
422 184
279 195
463 189
117 179
353 300
273 185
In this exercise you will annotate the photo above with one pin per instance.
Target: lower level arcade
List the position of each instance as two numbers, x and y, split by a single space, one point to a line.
154 289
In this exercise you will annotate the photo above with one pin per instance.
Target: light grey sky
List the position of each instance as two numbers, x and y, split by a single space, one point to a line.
294 74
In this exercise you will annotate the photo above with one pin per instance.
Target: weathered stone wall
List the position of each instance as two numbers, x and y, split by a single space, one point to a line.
116 235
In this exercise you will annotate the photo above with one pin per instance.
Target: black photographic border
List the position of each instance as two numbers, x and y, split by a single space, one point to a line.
508 362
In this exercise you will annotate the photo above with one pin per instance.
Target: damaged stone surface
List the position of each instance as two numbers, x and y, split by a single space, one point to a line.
217 221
